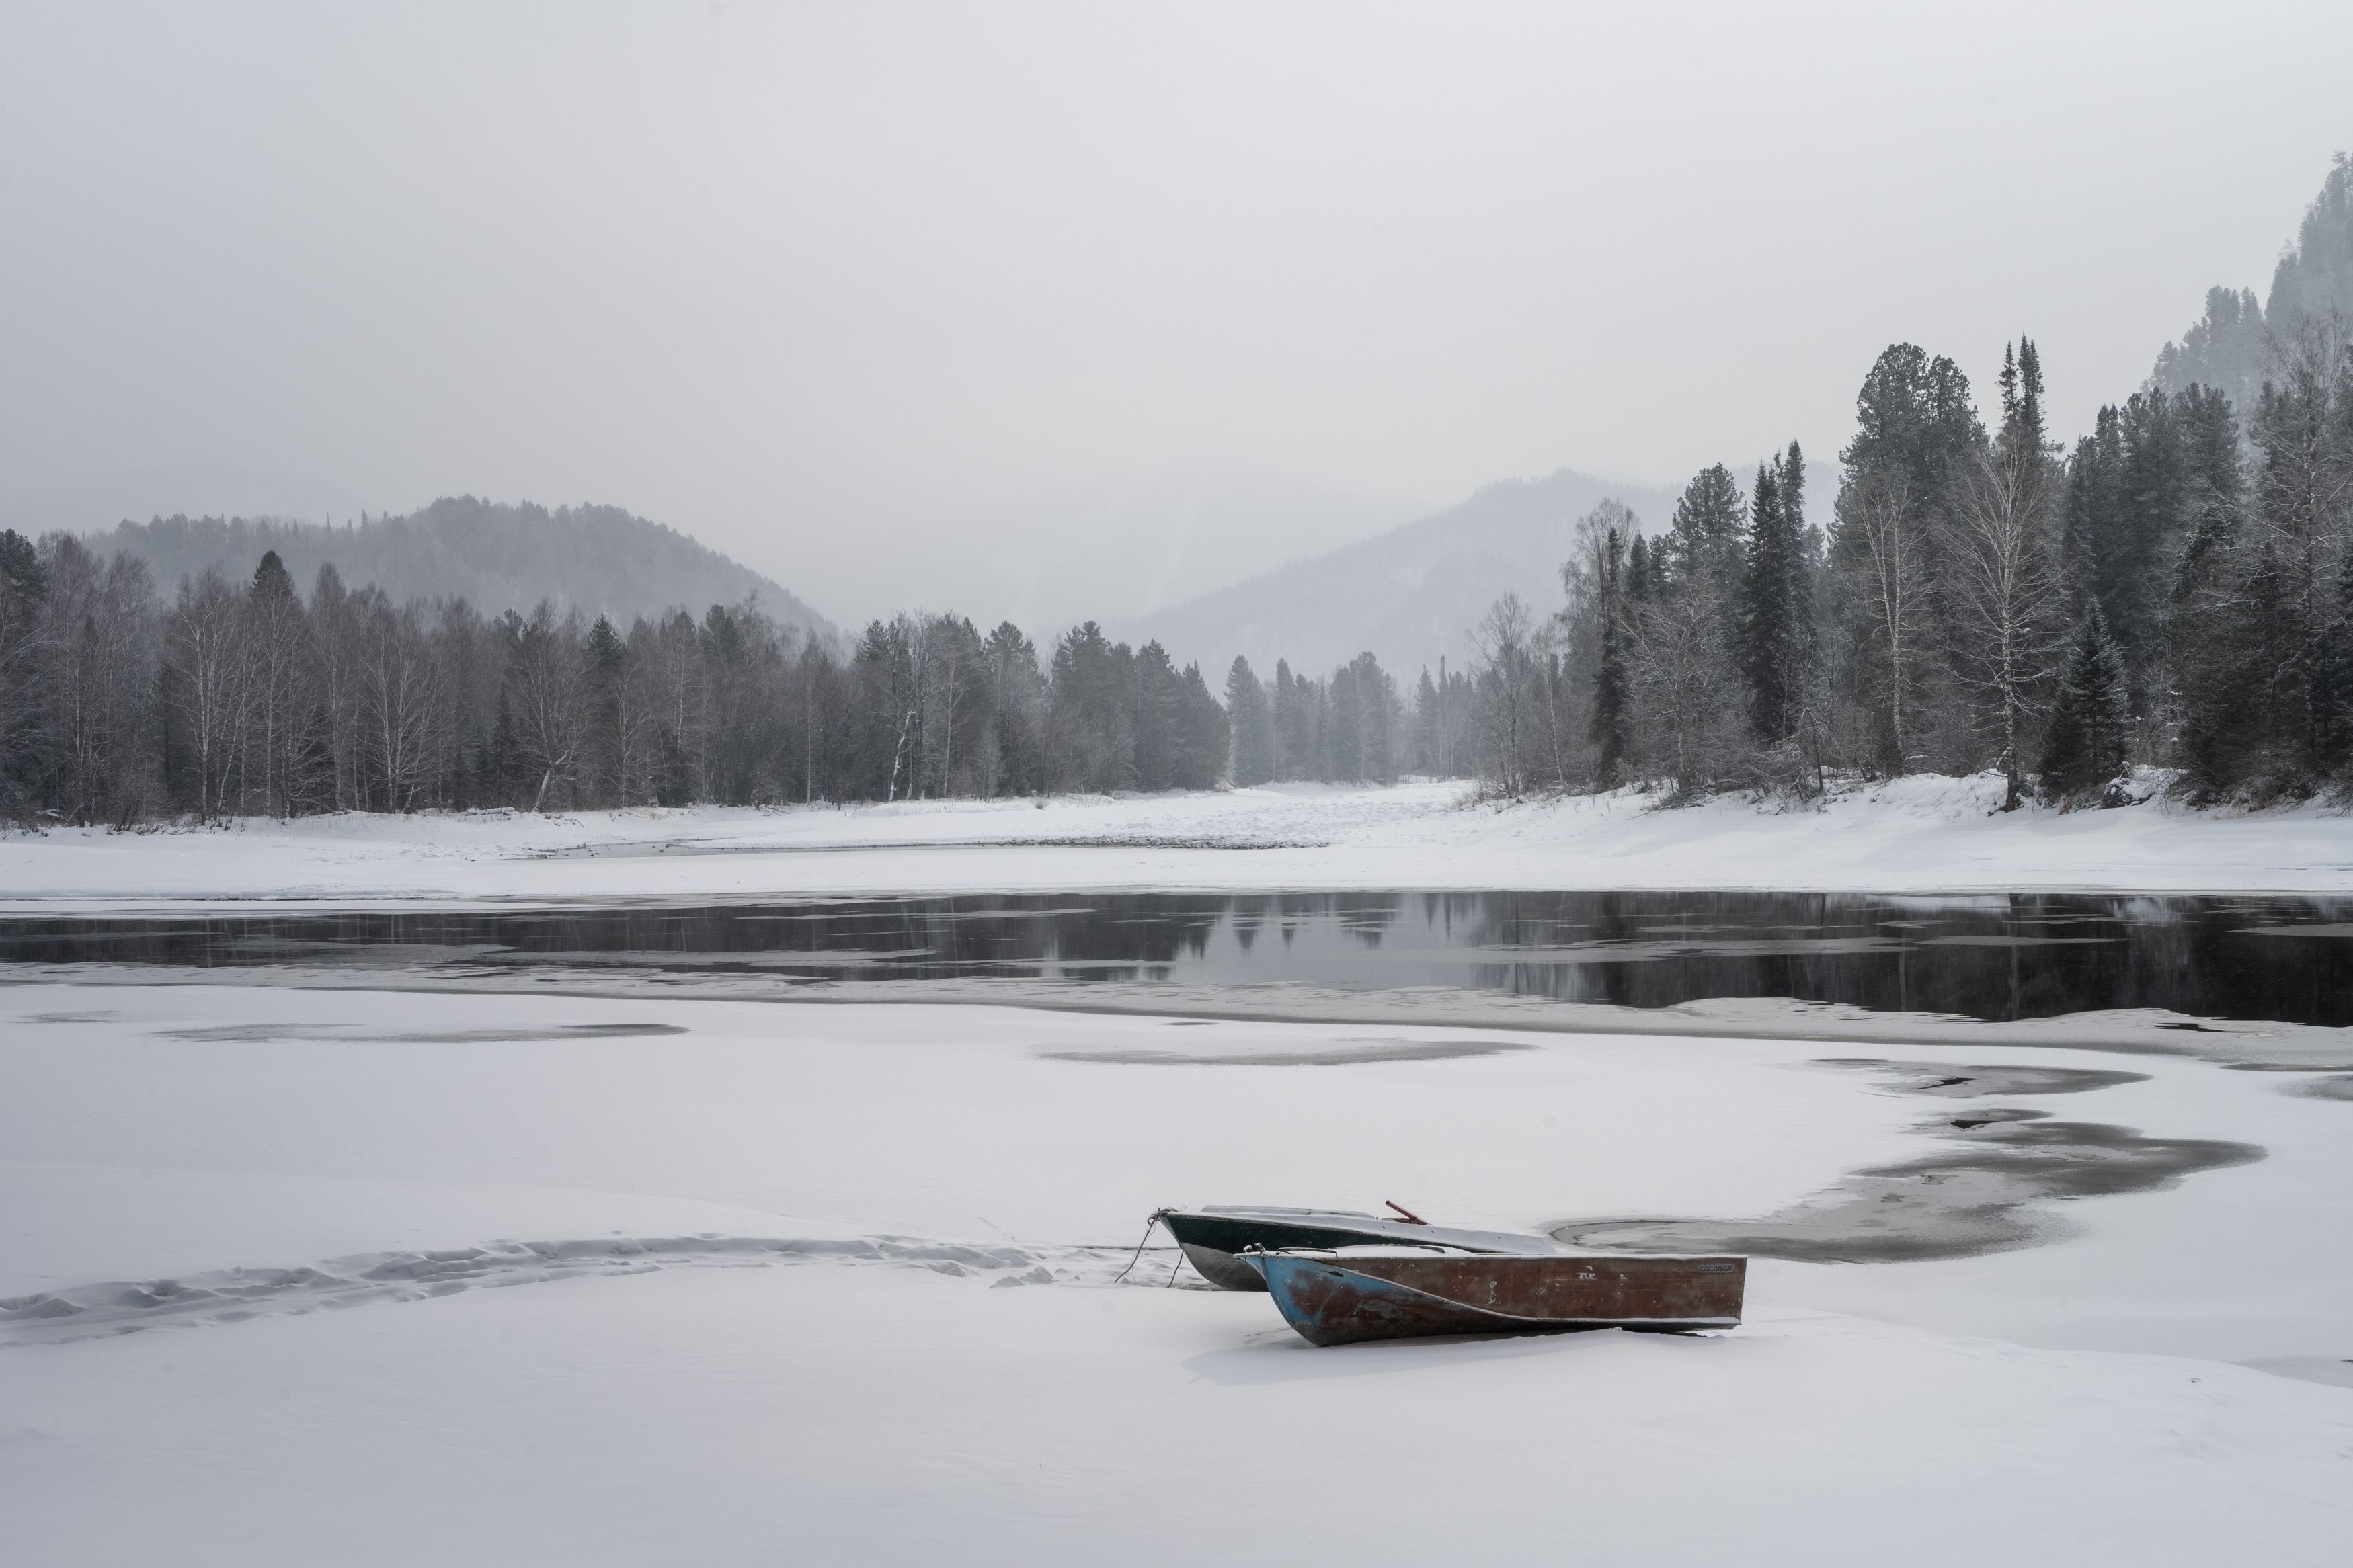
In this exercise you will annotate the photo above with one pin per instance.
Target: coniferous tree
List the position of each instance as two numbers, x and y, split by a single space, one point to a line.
1641 576
1776 604
280 639
1364 722
2090 735
1685 658
1704 549
1916 444
1612 694
2335 678
23 587
2208 672
1205 735
1155 711
605 656
1251 718
2027 416
2303 493
1018 703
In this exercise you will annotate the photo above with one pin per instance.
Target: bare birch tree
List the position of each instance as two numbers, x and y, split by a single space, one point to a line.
1886 565
1504 677
2006 596
399 686
212 670
547 683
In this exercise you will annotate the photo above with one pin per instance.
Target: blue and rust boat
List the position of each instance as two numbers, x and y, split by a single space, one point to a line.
1213 1238
1342 1296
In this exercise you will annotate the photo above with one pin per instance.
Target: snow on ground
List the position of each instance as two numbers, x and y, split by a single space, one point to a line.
853 1397
1915 835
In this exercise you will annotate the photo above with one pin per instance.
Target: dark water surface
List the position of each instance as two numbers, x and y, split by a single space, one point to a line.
1997 957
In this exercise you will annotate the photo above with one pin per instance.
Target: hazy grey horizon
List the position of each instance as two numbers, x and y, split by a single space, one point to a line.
1044 310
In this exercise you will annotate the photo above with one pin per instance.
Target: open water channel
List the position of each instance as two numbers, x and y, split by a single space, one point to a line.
1998 957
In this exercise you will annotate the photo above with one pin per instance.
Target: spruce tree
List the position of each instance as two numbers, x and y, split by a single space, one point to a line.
1288 759
1774 604
1914 418
1642 576
1611 676
1203 732
2207 678
605 654
2091 727
2029 394
1703 549
2333 678
1249 718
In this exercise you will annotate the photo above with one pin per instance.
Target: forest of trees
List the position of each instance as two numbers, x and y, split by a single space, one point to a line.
2176 590
119 705
1927 630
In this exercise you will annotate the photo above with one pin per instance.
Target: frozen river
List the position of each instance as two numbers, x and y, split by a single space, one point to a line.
2046 1194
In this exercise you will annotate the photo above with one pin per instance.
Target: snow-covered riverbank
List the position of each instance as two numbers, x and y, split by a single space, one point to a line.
857 1398
1919 834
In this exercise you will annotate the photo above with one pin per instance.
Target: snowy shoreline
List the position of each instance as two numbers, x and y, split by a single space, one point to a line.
1922 836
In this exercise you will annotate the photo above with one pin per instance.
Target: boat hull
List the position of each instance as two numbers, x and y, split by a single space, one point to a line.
1214 1242
1345 1301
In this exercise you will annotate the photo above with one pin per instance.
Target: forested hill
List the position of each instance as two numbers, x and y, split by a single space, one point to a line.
1410 594
2230 345
597 558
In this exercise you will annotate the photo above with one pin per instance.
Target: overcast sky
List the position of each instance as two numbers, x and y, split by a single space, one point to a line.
840 289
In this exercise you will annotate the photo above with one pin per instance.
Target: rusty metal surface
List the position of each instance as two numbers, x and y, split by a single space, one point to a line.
1342 1300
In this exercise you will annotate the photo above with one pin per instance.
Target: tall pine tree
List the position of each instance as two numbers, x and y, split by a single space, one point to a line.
1612 679
1776 602
1251 718
2089 733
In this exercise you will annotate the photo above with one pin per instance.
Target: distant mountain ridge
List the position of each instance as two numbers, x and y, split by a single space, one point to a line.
1410 594
600 560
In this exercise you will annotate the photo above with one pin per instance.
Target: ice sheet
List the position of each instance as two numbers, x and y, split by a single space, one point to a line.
719 1399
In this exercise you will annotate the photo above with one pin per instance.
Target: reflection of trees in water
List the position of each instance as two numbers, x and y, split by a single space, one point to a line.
1248 913
1984 957
1143 927
2026 955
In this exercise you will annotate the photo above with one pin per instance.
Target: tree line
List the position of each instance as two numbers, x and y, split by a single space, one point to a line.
118 706
2176 590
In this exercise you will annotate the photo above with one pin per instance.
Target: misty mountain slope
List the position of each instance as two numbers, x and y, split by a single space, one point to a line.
2230 346
1410 594
598 559
1109 549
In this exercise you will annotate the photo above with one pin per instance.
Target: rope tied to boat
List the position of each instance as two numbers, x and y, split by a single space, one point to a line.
1158 1216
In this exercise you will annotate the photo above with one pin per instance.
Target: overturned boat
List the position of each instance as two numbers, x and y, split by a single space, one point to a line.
1343 1296
1213 1238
